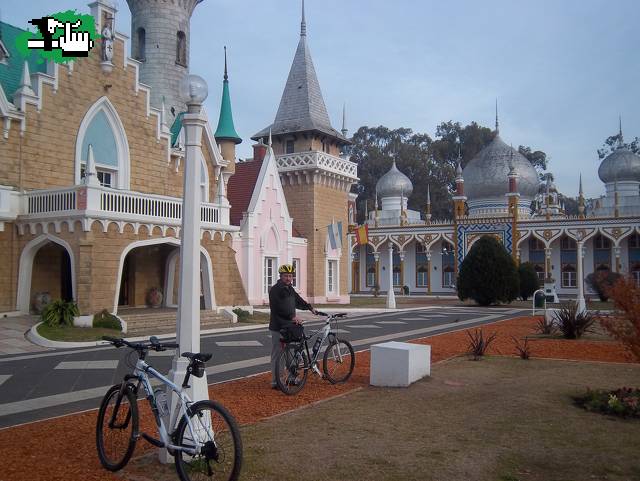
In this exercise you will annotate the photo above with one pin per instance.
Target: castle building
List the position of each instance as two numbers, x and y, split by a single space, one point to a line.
316 178
92 173
498 193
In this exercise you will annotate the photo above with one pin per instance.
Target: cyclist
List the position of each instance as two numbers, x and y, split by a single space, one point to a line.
283 302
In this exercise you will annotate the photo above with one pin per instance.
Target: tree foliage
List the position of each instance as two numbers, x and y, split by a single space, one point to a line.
488 274
529 282
624 325
613 142
425 160
601 282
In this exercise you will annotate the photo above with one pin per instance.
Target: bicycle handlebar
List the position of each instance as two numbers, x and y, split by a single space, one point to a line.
154 344
333 316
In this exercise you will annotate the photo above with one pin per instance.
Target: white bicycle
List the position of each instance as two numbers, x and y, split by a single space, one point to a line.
206 442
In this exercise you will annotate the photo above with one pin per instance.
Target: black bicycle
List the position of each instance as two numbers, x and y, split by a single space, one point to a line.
204 438
295 361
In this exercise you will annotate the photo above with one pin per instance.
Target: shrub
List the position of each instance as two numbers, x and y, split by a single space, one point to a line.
488 273
375 290
59 313
241 313
478 345
405 290
601 283
624 324
529 282
544 326
571 323
623 402
106 320
523 350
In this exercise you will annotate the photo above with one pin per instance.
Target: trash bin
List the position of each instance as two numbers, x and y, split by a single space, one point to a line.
539 299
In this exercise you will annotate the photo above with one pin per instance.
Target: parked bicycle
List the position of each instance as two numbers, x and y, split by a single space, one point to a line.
204 438
295 361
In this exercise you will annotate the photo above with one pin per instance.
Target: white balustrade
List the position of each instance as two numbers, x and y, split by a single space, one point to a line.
317 160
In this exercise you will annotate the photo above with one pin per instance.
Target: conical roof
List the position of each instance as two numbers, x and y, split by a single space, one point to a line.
226 130
302 107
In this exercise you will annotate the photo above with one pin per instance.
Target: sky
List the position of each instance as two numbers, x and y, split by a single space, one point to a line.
562 71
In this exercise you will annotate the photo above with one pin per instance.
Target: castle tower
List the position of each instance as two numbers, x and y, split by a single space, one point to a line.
316 180
160 41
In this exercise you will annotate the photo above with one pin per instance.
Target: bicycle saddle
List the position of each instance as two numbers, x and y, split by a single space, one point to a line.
198 356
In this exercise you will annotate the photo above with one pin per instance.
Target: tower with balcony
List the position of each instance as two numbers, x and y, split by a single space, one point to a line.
316 179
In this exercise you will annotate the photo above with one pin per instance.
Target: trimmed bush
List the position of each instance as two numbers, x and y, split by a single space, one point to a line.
572 324
241 313
529 282
601 283
106 320
624 402
488 274
59 313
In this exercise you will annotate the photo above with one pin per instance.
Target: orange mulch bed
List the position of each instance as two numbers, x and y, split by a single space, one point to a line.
64 448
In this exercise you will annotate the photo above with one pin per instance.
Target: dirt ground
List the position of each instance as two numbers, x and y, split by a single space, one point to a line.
489 406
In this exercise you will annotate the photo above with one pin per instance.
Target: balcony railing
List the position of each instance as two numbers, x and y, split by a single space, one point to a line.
119 205
317 160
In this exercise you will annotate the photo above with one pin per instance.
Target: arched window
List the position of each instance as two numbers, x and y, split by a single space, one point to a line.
634 257
102 129
181 49
601 253
422 266
204 180
397 268
142 39
536 256
568 261
448 267
371 267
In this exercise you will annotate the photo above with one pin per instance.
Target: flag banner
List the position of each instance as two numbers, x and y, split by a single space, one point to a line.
335 235
362 234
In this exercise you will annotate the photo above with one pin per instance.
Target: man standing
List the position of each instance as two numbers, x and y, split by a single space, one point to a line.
283 301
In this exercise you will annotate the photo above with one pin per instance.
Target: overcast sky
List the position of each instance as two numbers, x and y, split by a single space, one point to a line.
562 70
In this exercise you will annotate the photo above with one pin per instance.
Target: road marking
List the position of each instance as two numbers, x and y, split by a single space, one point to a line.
4 377
390 322
167 353
107 364
239 343
363 326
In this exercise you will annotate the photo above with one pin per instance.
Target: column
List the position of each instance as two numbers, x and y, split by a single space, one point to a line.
402 271
428 272
391 297
580 302
616 253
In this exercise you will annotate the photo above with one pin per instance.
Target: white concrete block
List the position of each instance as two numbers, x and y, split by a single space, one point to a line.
398 364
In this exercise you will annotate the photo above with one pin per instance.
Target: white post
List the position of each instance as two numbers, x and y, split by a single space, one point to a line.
188 320
580 302
391 297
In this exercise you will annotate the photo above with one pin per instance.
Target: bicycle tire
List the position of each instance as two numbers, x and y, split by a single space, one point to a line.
338 361
115 445
291 370
215 462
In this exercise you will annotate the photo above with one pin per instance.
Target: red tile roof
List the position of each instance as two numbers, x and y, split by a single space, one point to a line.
240 188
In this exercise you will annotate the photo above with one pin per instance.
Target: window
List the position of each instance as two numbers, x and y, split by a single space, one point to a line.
422 266
181 49
104 178
296 270
448 269
371 268
634 257
141 36
325 146
289 147
269 273
397 268
332 277
601 253
568 261
536 256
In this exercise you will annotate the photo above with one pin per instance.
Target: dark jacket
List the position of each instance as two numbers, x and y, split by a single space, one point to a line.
283 301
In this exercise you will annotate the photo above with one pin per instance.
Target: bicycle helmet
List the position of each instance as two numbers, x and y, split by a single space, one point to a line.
286 269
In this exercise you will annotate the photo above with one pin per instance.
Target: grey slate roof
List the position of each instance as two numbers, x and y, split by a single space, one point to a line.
302 108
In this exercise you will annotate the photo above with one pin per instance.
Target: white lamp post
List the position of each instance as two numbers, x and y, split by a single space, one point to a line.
391 297
193 90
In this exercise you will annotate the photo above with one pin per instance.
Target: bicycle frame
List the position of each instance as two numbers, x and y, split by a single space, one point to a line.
142 372
324 332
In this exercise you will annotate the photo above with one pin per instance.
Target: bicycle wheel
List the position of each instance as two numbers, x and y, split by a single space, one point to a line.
291 369
338 361
218 439
117 428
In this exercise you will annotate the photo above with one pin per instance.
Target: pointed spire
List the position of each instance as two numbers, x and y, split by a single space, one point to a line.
428 195
303 24
580 186
90 174
25 83
344 120
620 139
497 123
226 130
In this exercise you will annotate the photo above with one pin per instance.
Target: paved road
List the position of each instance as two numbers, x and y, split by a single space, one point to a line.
43 385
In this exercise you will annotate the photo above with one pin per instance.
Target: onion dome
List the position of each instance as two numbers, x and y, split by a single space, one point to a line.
394 184
619 166
485 176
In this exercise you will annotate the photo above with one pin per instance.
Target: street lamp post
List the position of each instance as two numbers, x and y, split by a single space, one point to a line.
193 90
391 298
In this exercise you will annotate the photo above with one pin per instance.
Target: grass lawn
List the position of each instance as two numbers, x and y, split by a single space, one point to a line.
76 333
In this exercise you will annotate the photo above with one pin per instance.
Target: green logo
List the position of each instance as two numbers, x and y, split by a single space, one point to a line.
61 37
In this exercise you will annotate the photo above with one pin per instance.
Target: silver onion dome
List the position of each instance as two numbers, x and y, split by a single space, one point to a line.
620 165
394 184
486 175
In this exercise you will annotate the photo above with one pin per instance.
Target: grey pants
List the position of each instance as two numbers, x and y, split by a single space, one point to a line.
275 350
